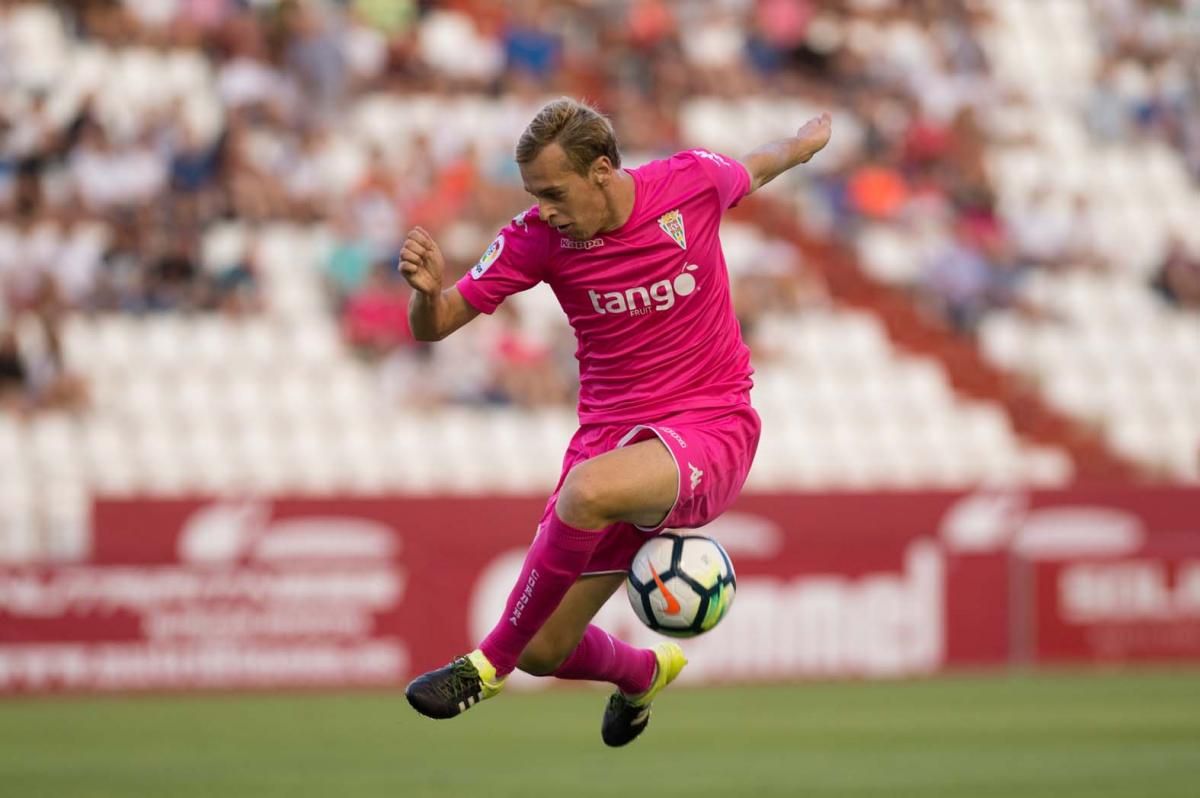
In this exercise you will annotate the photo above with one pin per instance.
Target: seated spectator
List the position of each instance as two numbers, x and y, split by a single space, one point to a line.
196 163
530 48
966 278
15 394
524 370
375 319
1178 278
173 277
877 191
33 375
349 263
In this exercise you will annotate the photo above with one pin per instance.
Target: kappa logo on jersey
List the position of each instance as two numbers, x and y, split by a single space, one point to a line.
519 220
641 300
672 224
711 156
570 243
489 257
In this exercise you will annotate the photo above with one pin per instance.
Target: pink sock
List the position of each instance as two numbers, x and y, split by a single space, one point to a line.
555 560
600 657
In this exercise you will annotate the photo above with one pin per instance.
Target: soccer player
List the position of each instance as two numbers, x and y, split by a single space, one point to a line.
667 433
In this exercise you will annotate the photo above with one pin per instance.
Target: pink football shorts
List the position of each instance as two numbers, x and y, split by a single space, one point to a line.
713 451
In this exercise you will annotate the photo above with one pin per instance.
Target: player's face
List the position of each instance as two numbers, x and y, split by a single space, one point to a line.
574 204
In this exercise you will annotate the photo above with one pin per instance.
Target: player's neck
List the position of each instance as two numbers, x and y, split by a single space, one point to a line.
620 200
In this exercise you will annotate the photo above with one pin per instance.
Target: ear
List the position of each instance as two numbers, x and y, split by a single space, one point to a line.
601 170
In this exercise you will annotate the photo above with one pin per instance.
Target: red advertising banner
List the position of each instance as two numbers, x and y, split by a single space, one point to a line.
254 593
1139 603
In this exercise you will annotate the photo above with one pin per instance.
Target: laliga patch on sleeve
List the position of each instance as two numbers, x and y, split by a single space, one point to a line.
489 257
711 156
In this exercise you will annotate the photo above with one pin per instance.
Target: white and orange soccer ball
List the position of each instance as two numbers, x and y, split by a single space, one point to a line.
681 585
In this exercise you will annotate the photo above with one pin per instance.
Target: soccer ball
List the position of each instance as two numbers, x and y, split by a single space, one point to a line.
681 585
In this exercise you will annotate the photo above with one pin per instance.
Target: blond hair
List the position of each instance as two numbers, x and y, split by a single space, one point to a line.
583 133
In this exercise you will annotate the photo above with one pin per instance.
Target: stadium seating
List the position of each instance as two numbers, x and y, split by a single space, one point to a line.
275 403
1112 353
1102 347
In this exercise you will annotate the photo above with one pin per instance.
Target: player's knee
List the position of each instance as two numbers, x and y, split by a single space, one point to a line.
543 655
583 499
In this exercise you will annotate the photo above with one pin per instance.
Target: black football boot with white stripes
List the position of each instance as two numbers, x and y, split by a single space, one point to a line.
454 688
626 717
623 720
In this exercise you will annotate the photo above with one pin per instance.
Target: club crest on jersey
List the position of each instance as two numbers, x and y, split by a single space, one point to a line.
489 257
672 224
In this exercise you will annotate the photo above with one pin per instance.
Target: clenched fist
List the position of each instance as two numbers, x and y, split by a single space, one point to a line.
421 262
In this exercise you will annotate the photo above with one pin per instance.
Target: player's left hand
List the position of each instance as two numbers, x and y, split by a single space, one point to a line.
815 134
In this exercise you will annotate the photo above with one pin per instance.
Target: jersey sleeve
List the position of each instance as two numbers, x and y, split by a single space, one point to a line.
728 175
515 261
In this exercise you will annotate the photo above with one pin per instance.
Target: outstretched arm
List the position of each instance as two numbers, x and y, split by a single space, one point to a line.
433 313
771 160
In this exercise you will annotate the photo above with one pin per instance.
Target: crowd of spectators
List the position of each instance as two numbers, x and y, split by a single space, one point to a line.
919 80
1148 84
1148 89
915 80
111 182
110 194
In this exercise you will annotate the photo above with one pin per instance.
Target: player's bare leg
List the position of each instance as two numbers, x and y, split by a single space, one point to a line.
634 484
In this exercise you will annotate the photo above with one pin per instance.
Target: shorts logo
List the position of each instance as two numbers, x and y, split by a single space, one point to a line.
696 475
489 257
672 224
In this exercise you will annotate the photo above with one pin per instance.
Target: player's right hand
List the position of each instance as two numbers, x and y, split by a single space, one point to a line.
421 262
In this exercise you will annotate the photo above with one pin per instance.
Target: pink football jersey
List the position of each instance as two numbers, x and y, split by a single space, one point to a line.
649 302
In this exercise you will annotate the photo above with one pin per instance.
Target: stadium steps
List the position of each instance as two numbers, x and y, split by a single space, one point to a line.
1112 352
969 372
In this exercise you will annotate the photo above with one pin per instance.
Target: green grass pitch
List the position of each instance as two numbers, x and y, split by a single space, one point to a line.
1047 736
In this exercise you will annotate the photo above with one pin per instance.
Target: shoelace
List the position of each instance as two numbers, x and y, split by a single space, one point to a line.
463 682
